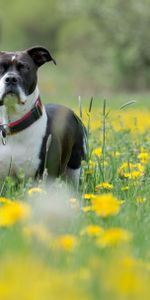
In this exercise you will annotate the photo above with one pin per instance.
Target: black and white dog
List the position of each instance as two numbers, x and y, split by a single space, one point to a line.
32 134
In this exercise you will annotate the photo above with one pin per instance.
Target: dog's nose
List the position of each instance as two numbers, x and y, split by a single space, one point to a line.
11 79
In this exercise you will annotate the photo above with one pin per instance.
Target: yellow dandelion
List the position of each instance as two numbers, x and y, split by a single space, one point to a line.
125 175
105 163
88 196
143 156
88 172
116 154
97 152
137 121
140 200
113 237
135 174
38 281
90 167
92 230
104 186
126 279
65 242
125 188
130 170
91 164
106 205
13 212
4 200
86 209
35 190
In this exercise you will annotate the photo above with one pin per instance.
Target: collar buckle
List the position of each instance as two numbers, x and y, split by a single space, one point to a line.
37 110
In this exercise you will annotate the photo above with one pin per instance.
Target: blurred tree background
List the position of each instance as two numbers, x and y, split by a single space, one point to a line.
98 45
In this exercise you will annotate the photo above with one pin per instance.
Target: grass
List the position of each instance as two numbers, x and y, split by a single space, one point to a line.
94 244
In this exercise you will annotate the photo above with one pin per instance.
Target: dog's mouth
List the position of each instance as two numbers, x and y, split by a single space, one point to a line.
10 98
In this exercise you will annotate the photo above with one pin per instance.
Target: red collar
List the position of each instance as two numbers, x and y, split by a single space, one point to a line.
27 120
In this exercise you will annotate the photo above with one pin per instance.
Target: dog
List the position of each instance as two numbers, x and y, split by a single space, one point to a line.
34 137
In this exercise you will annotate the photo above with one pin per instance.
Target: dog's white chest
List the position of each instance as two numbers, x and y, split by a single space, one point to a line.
21 152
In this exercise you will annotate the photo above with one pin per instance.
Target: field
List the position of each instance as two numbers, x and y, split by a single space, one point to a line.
56 243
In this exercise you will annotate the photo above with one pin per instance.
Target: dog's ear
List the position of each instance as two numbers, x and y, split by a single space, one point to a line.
40 55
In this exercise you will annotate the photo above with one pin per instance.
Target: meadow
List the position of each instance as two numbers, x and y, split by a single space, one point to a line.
92 244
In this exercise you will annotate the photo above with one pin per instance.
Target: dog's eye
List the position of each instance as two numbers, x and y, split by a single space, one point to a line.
3 67
23 66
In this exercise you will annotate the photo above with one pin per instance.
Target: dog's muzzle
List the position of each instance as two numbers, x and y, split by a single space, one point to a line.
11 82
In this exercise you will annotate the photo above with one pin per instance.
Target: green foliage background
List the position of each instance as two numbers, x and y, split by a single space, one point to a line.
100 45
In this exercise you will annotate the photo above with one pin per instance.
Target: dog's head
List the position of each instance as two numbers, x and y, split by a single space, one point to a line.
18 72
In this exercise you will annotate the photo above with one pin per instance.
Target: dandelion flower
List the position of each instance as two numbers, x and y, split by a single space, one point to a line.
106 205
90 167
116 154
140 200
87 209
143 156
97 152
38 281
4 200
104 186
126 279
113 237
92 230
13 212
35 190
65 242
125 188
130 170
88 196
